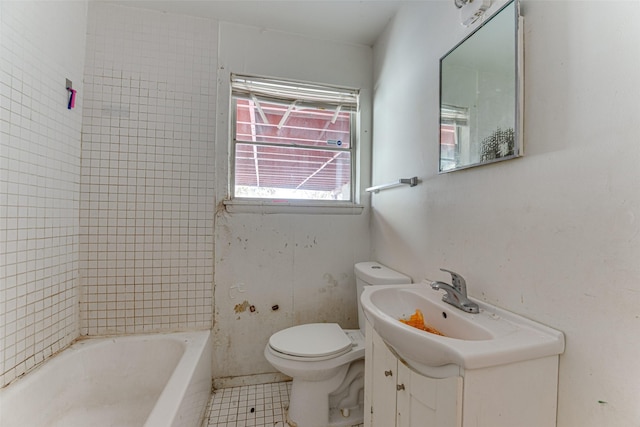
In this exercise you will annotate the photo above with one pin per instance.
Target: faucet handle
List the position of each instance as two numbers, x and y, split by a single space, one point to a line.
457 281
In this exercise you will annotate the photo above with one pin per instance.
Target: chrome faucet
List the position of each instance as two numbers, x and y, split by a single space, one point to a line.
456 293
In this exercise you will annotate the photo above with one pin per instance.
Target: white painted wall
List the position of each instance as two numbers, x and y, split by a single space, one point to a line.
301 262
555 235
41 45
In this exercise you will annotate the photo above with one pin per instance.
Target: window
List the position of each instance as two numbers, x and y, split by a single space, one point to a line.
292 140
454 131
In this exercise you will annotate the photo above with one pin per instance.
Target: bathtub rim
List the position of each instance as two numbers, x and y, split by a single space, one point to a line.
197 356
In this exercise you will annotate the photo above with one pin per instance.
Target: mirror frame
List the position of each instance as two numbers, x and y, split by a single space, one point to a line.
518 104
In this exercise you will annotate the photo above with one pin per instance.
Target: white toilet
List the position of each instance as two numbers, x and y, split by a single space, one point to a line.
327 362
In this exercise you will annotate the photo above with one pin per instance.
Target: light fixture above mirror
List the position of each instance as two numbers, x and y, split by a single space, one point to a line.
460 3
471 10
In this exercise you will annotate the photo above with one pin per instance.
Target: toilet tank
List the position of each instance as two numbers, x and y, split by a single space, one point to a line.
373 273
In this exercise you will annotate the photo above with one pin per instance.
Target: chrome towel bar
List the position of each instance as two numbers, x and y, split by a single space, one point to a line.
411 182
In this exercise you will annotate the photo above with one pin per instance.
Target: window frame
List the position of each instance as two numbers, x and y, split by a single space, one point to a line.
259 204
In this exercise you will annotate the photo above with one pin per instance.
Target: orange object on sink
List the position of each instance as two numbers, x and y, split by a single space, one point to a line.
417 321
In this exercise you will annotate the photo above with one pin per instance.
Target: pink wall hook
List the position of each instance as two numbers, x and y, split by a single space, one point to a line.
72 98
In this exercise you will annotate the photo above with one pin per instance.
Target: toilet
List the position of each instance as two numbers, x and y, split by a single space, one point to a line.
326 362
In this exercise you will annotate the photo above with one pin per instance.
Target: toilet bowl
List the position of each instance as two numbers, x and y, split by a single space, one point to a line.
326 363
317 374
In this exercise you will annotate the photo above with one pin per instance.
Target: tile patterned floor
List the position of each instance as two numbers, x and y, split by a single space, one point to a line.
253 405
260 405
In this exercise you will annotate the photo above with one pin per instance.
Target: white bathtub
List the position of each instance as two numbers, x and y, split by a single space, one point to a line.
146 380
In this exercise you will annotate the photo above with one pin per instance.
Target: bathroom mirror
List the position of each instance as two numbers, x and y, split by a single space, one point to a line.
481 96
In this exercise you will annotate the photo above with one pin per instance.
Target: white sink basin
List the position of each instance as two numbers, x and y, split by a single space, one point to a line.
472 341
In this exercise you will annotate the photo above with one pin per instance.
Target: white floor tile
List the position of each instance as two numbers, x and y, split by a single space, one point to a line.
262 405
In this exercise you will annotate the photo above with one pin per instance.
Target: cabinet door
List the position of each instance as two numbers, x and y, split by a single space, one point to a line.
381 411
428 402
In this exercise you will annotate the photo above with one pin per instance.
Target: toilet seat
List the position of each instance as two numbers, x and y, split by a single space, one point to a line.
313 341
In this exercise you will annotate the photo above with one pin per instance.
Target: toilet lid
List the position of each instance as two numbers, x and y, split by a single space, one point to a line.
311 340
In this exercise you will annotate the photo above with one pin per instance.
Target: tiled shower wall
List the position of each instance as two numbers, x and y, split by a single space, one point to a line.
42 44
147 204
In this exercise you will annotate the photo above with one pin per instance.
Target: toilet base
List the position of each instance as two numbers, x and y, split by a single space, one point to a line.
336 419
313 403
309 402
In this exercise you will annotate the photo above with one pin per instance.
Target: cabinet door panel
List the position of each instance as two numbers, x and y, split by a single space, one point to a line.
383 391
428 402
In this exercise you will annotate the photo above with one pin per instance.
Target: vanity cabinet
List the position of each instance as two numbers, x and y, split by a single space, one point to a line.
522 394
397 396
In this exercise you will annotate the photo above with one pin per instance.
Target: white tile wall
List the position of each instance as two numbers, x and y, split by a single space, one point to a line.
146 207
41 44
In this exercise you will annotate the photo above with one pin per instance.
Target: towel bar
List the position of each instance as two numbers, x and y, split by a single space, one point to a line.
412 182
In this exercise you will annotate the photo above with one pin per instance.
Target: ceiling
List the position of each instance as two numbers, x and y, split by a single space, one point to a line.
351 21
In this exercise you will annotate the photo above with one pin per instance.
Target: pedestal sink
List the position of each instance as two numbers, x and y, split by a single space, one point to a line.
472 341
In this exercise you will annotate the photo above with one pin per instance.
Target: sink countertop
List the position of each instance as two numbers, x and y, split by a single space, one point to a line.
492 337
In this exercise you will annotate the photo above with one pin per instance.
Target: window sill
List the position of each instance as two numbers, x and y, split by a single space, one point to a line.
292 207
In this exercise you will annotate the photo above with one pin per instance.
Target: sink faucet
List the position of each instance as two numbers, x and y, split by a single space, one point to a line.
456 293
